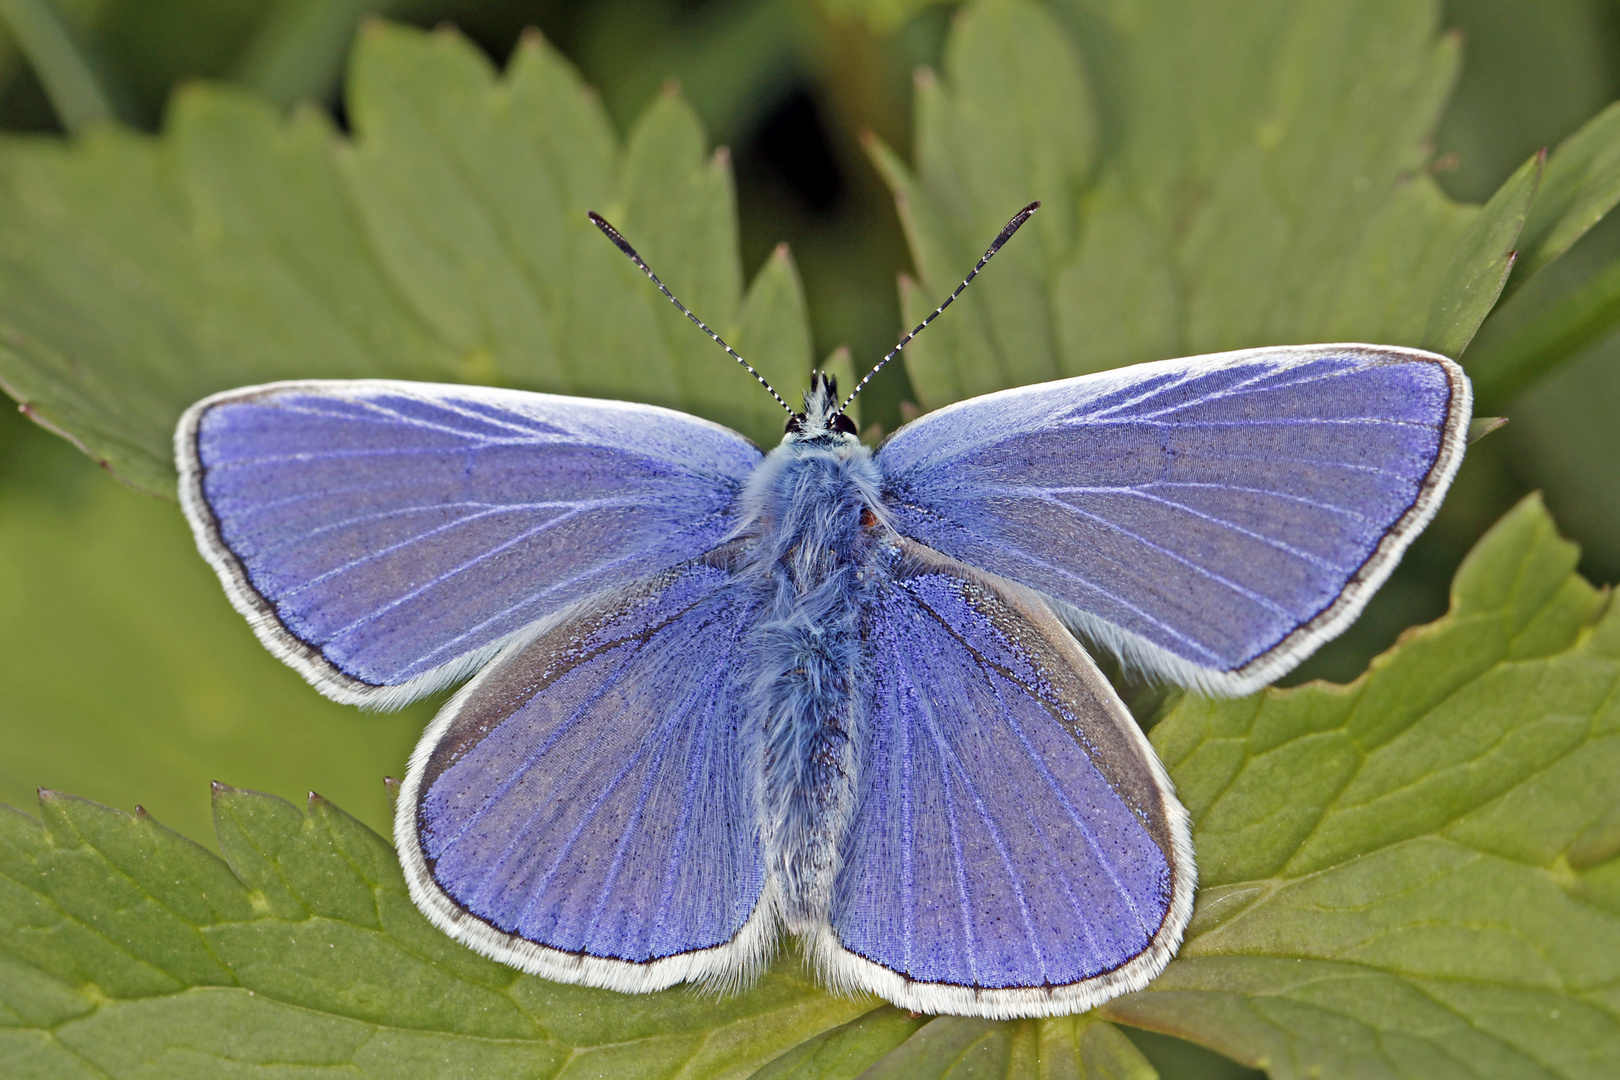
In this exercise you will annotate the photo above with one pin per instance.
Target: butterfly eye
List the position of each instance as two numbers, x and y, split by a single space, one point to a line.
795 424
843 424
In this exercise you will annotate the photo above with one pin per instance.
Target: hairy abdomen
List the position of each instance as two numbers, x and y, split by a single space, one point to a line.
811 544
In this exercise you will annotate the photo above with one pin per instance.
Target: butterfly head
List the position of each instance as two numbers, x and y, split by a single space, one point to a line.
821 421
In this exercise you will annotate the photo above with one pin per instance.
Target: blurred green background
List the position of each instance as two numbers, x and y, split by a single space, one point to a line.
127 677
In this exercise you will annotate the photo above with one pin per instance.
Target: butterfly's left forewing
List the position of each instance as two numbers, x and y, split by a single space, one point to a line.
1015 848
385 538
585 808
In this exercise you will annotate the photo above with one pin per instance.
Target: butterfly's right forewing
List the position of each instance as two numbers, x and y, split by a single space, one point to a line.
1215 518
585 809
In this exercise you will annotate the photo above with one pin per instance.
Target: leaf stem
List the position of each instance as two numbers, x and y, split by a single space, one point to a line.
80 89
1504 368
300 47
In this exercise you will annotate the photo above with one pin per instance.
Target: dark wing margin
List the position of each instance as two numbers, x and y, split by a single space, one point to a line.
387 538
1016 848
585 809
1212 519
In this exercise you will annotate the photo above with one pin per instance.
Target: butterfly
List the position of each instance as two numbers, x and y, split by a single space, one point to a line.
724 695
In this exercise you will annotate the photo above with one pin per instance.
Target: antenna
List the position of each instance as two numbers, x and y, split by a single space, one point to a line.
995 246
624 245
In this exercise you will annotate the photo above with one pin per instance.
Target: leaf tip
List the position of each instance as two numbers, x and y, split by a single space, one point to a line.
391 786
1482 426
187 94
671 87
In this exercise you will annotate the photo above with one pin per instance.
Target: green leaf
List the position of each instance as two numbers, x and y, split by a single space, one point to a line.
447 240
959 1048
778 347
1581 186
883 16
887 1044
1260 179
847 1051
127 950
128 676
1482 261
1417 873
1547 340
1481 426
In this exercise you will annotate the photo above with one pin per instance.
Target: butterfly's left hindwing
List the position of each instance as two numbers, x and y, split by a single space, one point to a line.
1016 848
585 809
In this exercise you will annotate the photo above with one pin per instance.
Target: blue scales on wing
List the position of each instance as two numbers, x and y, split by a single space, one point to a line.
1015 848
1214 518
585 808
385 537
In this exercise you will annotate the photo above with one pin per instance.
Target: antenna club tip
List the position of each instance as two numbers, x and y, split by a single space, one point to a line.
1011 227
613 234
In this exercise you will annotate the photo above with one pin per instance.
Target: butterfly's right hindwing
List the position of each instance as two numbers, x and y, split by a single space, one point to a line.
585 809
1016 848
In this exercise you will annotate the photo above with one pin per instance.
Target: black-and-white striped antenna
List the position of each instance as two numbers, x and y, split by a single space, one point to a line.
624 245
1001 238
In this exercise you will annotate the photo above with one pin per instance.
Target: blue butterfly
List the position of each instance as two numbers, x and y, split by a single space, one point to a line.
724 694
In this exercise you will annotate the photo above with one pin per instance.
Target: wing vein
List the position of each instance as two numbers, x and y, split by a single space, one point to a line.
1206 572
486 509
373 556
946 750
960 872
1269 541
